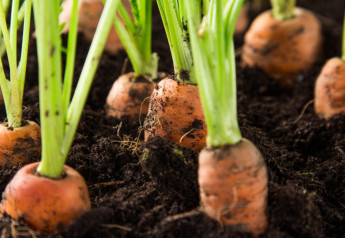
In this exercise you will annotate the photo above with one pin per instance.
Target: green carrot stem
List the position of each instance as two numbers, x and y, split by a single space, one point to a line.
283 9
87 74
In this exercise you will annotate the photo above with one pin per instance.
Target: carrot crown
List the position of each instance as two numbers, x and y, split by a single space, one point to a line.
283 9
174 21
13 89
59 116
214 65
135 36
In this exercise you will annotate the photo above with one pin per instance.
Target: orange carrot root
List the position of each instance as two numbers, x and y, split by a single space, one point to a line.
175 113
129 97
283 48
47 205
89 14
19 145
330 89
233 186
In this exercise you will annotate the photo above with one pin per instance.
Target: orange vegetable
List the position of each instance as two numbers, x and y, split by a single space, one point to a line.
89 14
46 204
175 113
233 186
242 21
283 48
129 97
329 89
19 145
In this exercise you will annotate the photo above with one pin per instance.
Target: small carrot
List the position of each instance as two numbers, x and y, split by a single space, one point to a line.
19 145
175 110
19 142
128 97
329 97
46 204
283 42
89 14
243 21
232 172
175 113
48 195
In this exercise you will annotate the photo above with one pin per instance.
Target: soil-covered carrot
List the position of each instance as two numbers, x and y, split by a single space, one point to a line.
232 172
167 119
48 195
19 140
89 14
63 199
175 109
283 42
129 96
330 86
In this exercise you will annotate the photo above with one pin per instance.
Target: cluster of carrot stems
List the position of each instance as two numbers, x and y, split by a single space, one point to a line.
174 21
213 52
136 36
13 88
59 111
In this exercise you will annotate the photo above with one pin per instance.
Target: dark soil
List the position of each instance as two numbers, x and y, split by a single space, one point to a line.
150 190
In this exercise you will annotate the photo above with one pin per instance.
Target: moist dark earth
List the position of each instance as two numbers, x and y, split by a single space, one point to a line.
150 189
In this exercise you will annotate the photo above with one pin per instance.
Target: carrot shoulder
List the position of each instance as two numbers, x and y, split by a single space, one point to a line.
283 48
175 113
129 97
330 89
46 204
19 145
233 186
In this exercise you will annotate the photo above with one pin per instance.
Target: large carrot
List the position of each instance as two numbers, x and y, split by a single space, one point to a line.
128 96
175 109
232 172
330 85
48 195
19 142
283 42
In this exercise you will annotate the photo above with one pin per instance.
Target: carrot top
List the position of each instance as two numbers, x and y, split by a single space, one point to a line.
283 9
59 116
13 89
135 36
174 21
214 65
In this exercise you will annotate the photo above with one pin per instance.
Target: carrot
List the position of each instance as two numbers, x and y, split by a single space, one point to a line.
19 145
89 14
48 195
283 47
232 174
175 113
127 97
46 205
233 185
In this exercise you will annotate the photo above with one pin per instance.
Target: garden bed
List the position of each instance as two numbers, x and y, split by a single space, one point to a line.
157 195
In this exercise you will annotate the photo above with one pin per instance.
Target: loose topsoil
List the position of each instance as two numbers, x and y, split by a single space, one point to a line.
150 189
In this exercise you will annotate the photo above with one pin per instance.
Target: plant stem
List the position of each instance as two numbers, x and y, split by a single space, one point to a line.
283 9
87 74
